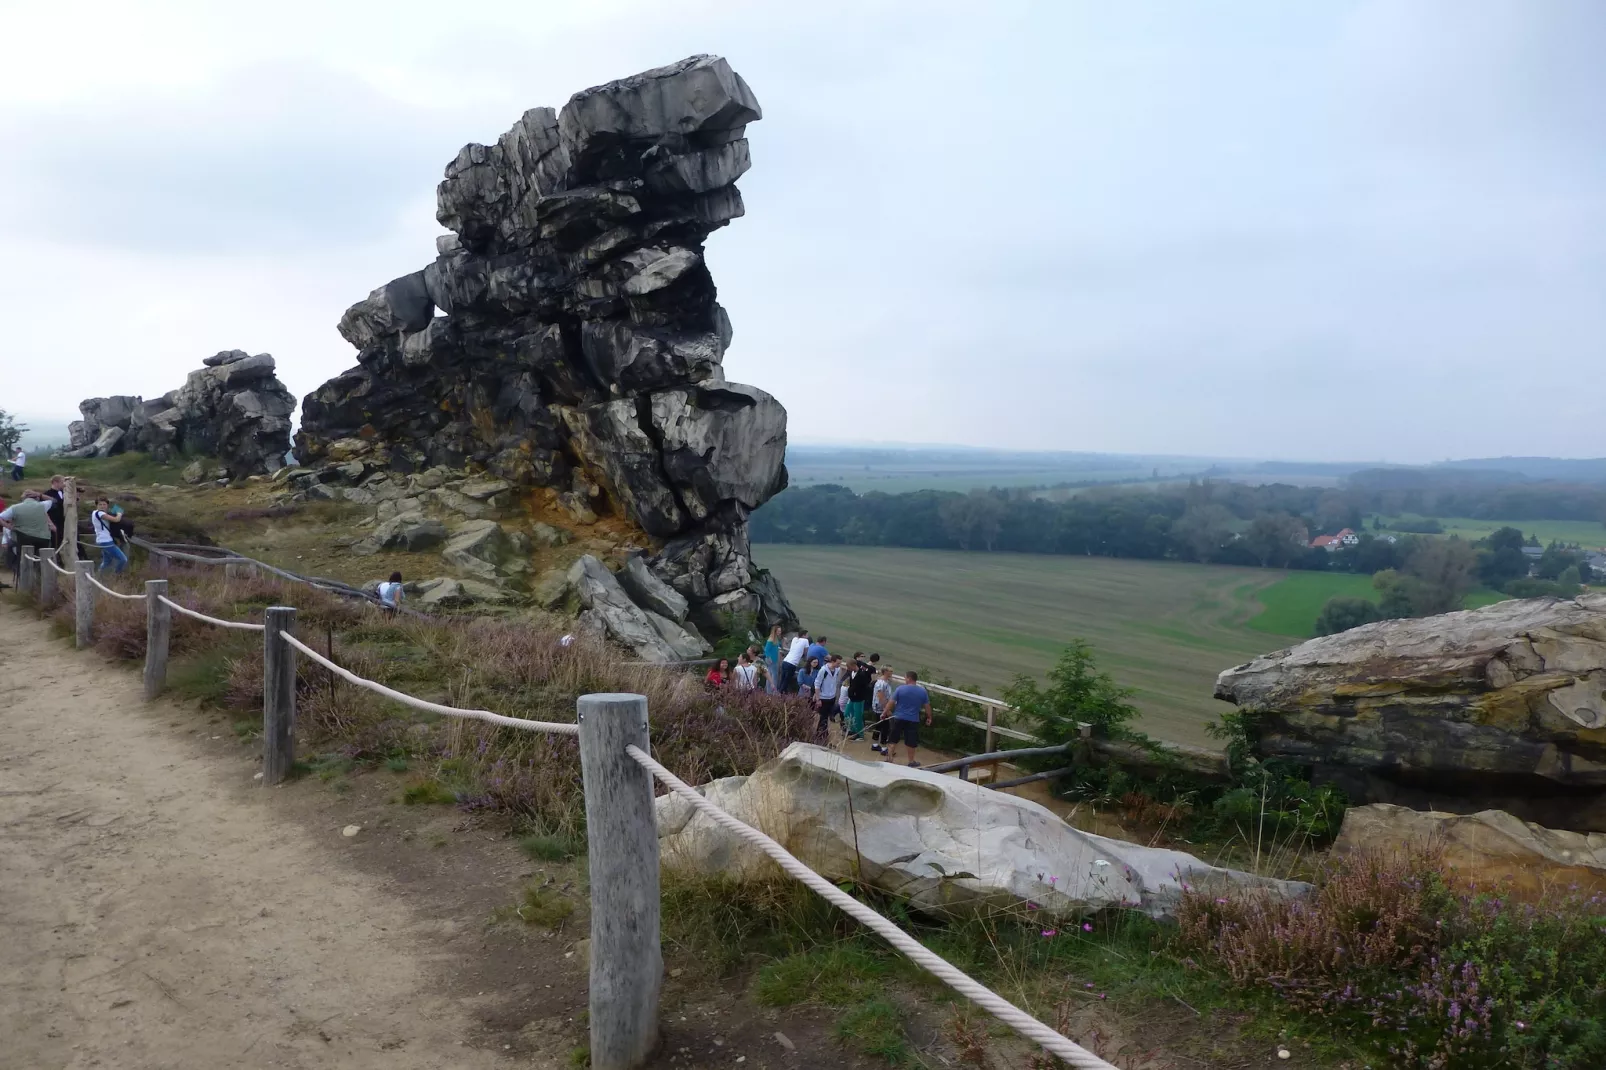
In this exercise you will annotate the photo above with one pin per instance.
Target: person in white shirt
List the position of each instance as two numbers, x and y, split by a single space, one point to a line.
793 662
880 710
826 685
110 553
746 674
19 461
390 593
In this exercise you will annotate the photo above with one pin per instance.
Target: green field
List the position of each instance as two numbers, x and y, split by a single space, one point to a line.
1585 533
1163 627
1292 603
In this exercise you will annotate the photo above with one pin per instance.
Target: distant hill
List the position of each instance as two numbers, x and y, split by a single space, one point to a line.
1567 470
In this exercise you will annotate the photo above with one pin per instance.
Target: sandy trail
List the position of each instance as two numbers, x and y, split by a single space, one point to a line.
156 912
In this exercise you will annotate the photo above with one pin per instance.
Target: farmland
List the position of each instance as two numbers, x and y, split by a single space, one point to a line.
1163 627
1586 533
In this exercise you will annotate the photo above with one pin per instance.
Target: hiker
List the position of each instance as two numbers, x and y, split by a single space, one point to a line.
826 686
56 498
746 673
19 462
817 650
122 528
909 703
719 674
772 659
861 682
390 594
110 553
30 526
881 709
806 678
794 662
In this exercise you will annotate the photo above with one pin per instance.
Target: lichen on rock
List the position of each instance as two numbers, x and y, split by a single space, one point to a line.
567 339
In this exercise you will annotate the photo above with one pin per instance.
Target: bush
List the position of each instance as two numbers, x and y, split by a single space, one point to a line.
1341 613
1396 960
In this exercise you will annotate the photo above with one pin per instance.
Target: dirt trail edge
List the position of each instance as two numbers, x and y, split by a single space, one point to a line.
153 913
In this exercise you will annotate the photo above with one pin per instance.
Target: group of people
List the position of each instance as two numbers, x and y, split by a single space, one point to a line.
38 521
841 691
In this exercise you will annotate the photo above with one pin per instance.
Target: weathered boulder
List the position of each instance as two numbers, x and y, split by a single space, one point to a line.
479 547
682 638
600 594
567 335
1501 707
650 592
946 846
234 408
411 532
1488 848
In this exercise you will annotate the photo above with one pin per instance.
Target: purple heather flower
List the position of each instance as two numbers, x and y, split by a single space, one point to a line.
1087 926
1050 932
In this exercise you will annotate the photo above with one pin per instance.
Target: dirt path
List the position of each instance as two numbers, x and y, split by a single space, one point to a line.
154 913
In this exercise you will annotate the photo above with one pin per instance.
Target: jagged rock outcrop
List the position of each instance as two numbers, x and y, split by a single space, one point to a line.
567 335
234 408
947 846
1502 707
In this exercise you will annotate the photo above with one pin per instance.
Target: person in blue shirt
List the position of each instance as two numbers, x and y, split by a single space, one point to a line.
910 703
805 679
818 652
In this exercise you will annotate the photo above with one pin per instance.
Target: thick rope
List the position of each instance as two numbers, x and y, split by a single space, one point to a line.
90 576
51 561
983 997
555 727
242 625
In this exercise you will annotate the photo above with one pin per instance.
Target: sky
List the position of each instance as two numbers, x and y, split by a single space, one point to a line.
1349 230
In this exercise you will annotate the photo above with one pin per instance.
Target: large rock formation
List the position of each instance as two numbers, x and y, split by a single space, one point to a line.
1502 707
567 335
234 408
944 845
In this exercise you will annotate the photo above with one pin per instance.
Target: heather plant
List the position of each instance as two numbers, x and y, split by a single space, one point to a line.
1398 961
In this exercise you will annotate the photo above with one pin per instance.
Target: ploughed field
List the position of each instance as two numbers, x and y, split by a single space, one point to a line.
1163 627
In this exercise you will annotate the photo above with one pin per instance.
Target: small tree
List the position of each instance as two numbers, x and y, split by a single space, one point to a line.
1077 693
1341 613
11 433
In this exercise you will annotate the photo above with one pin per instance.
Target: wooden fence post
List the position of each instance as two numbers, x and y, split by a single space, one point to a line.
278 695
69 524
992 712
159 564
158 633
47 578
622 831
83 605
25 566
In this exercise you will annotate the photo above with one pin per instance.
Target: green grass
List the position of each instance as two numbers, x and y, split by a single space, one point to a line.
1164 628
545 847
1293 603
125 469
1586 533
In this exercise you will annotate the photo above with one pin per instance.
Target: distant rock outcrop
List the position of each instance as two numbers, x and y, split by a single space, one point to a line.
1502 707
234 408
567 335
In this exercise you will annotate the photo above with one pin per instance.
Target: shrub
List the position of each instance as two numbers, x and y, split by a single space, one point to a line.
1341 613
1393 957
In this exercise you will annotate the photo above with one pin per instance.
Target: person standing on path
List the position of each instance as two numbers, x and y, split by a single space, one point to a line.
795 660
30 526
390 594
56 498
746 673
19 462
772 658
806 678
861 682
718 675
818 652
826 686
881 709
910 702
110 553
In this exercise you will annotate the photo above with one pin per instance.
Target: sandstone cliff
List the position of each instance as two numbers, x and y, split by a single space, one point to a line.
234 408
1502 707
567 339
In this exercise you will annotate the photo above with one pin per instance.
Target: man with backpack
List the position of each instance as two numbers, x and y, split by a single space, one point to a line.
861 682
110 553
30 526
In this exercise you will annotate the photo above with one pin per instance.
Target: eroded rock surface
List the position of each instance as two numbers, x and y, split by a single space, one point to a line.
1501 707
945 845
233 408
567 340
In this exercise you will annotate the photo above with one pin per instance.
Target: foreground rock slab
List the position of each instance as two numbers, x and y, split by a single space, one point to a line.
946 846
1502 707
1490 849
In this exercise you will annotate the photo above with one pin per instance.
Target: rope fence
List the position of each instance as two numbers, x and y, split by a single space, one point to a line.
617 774
242 625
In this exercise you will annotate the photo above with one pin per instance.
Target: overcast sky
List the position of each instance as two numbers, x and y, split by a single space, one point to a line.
1367 230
